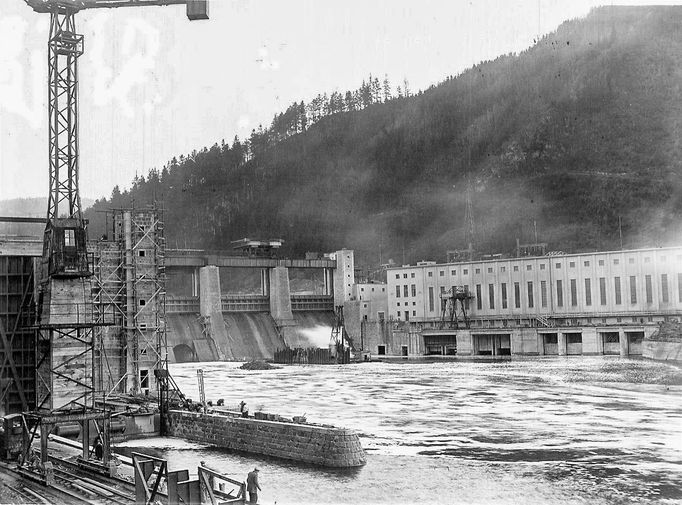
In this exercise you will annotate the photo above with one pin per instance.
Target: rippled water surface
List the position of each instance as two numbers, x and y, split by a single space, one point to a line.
549 430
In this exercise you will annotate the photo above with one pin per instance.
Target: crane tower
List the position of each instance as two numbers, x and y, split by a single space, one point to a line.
65 388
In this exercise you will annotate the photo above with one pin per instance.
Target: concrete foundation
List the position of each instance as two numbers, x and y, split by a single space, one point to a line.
544 341
318 445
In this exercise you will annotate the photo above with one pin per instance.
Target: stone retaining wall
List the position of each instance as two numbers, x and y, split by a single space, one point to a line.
318 445
662 351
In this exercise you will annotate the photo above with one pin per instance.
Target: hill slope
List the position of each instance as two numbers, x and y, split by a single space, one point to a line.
579 131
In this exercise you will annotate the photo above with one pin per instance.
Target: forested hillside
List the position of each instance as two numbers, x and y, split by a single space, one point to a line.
577 132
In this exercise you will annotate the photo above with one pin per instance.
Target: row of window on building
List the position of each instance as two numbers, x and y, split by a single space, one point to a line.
573 292
529 267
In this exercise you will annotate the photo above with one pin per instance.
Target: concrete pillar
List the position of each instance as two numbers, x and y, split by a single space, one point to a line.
264 282
540 344
280 296
211 307
131 308
328 281
592 341
209 293
561 342
195 282
465 345
623 341
344 276
280 305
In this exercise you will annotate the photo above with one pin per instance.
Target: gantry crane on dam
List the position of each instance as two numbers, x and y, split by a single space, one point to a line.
65 388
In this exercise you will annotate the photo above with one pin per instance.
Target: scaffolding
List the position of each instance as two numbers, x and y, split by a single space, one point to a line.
17 354
130 280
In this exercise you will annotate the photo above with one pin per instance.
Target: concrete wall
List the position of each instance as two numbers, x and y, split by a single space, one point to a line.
579 340
344 275
662 351
374 300
322 446
394 337
66 303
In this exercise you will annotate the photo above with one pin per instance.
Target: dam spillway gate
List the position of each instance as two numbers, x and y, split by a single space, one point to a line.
208 321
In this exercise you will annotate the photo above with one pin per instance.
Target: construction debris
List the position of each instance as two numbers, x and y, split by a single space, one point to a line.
258 365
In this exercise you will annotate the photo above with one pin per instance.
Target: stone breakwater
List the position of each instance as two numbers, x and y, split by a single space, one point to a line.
319 445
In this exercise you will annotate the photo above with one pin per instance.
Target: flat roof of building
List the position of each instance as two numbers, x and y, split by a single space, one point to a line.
423 264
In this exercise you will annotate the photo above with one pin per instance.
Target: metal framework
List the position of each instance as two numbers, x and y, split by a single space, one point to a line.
129 282
210 487
450 299
65 46
17 312
339 338
64 249
65 378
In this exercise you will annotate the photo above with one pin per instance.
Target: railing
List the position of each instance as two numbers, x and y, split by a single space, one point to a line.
211 487
76 315
312 302
245 303
182 305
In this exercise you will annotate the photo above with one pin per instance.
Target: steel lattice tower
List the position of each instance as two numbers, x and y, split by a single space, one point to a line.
65 46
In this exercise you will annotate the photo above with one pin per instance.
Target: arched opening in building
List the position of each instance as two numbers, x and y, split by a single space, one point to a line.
183 353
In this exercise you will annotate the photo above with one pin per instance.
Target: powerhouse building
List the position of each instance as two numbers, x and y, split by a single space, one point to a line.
594 303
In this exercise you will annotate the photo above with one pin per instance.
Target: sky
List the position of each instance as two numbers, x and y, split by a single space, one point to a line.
154 85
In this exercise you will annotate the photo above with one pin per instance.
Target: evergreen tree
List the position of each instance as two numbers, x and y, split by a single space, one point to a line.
387 89
349 101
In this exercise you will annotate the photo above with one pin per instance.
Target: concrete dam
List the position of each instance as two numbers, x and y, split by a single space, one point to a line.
207 321
248 336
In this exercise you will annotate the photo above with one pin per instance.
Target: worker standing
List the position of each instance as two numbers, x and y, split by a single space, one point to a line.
252 485
99 448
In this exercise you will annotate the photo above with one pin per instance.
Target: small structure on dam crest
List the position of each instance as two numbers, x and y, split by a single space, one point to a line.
308 443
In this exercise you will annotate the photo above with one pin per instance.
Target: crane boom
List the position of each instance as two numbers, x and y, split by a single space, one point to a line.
196 9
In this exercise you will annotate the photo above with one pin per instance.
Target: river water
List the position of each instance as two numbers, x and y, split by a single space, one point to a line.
543 430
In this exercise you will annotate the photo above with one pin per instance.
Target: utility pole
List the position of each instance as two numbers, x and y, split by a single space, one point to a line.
469 219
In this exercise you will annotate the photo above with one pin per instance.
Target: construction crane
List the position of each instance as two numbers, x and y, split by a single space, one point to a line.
64 245
65 384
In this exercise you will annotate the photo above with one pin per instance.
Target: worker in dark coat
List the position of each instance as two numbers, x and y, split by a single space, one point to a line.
252 485
99 448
